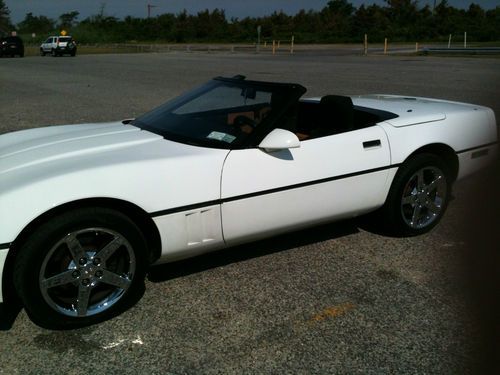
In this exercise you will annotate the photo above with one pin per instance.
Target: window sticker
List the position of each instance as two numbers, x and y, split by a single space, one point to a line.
223 137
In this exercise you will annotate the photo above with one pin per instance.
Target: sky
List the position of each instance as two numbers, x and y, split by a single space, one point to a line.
234 8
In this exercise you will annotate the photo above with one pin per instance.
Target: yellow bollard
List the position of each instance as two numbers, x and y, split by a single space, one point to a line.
366 44
274 47
385 46
291 44
416 47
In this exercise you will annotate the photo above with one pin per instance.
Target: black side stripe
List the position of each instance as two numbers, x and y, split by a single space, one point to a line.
185 208
4 245
269 191
477 147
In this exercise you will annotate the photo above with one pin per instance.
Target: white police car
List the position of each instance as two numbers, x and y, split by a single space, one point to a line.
58 46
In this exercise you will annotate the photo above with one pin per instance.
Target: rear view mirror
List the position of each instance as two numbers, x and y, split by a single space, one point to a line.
279 139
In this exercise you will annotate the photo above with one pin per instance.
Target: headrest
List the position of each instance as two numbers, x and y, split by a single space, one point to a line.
337 101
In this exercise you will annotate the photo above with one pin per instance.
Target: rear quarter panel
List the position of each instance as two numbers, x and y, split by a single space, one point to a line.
465 131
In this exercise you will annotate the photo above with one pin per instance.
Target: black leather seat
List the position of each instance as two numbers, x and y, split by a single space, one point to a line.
336 115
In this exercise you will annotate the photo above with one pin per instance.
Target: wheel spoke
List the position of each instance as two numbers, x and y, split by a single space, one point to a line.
83 299
416 214
75 248
109 249
434 184
420 179
112 278
409 199
63 278
433 207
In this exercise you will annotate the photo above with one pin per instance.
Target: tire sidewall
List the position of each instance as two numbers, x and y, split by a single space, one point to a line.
36 248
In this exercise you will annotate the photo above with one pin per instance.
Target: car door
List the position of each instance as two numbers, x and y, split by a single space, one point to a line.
338 176
46 45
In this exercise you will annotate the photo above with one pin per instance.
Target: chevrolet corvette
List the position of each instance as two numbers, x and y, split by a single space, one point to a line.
86 209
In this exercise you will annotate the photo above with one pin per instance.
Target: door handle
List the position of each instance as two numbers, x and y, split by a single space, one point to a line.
372 144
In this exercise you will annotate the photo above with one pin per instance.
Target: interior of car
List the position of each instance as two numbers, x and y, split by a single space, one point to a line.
334 114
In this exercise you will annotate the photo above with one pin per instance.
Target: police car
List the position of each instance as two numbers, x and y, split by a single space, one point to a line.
58 46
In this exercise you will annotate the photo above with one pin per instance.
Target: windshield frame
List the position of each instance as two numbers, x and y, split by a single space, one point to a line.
291 93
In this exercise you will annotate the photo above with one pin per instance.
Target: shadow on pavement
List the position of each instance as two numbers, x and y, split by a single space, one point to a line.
8 315
252 250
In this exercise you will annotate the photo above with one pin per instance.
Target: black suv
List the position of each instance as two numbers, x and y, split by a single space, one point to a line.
11 46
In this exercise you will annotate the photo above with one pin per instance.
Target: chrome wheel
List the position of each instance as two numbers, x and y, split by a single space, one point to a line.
424 197
87 272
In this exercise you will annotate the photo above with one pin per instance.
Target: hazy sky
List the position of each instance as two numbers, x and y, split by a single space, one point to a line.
234 8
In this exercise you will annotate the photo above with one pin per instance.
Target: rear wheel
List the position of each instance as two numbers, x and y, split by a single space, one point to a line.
81 268
418 196
53 52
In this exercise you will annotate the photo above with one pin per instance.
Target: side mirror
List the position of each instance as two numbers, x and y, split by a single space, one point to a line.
279 139
127 121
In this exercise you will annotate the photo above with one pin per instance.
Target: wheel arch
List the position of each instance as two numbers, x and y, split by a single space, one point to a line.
443 151
137 214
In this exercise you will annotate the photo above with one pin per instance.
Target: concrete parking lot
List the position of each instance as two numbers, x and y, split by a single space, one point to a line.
333 299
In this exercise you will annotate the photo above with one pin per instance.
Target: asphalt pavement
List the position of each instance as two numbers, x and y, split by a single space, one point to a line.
336 299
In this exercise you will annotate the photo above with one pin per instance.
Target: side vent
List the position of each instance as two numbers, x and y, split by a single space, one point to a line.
200 226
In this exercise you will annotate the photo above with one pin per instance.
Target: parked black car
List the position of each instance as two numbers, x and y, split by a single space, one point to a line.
11 46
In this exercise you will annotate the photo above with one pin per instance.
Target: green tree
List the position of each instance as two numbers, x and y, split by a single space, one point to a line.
337 20
403 15
5 24
492 26
371 20
448 20
67 20
36 24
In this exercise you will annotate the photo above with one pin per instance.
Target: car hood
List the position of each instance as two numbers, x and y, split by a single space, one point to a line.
42 146
48 167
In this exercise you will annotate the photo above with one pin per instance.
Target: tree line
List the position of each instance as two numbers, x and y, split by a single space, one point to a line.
338 22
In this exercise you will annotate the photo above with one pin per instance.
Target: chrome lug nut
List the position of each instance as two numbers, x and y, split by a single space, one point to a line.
99 273
76 274
96 261
83 261
85 282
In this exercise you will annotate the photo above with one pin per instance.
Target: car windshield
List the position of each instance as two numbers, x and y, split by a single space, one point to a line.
223 113
13 39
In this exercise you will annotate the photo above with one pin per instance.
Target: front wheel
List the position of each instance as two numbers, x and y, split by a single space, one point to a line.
42 53
418 196
80 268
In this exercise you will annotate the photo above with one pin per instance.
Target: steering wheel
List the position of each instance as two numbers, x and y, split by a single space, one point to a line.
244 120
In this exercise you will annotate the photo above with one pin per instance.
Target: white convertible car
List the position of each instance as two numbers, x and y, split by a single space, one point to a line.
85 209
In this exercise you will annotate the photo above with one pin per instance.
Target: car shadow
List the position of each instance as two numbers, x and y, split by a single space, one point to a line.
8 314
235 254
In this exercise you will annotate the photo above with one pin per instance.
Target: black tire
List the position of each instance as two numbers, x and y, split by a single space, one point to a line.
80 268
53 53
415 203
41 52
